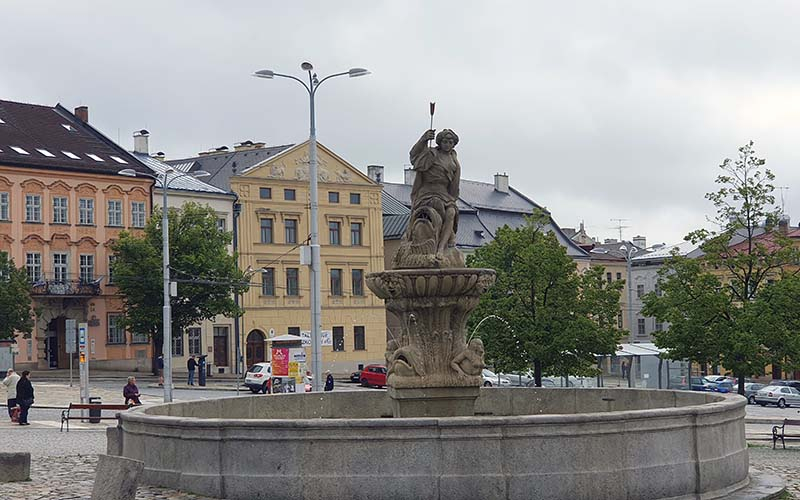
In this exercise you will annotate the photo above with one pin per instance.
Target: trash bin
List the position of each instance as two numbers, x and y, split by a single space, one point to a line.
95 413
202 370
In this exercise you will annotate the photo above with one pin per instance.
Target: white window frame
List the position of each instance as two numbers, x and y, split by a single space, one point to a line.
194 337
115 334
86 211
115 213
60 210
33 208
60 268
138 216
33 265
5 205
86 261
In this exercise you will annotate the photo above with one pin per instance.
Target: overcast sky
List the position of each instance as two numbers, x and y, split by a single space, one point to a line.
596 110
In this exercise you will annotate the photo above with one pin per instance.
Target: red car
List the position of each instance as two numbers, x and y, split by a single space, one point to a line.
373 375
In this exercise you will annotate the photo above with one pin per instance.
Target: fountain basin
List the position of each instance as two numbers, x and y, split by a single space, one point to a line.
522 443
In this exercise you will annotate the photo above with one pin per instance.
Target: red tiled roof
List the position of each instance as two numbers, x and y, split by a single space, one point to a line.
47 134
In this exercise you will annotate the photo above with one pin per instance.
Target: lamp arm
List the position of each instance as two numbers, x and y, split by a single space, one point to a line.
305 86
328 78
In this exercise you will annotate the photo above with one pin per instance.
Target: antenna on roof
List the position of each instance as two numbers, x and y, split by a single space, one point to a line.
619 227
783 203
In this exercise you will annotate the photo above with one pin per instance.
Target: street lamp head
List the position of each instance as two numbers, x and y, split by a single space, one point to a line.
264 73
200 173
307 66
354 72
127 172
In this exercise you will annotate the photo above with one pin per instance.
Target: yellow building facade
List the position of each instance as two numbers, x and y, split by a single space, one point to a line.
274 225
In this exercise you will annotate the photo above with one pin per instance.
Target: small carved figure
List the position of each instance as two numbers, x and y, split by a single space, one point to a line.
469 362
407 362
277 171
391 347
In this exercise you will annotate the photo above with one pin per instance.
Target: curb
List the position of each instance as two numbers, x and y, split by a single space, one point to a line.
198 388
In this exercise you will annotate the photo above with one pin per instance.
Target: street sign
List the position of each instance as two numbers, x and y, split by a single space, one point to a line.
83 333
71 334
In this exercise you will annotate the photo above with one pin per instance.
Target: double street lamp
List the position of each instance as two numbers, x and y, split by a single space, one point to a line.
628 256
166 349
316 301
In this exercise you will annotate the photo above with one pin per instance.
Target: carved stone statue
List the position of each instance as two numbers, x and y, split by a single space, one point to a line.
429 240
431 369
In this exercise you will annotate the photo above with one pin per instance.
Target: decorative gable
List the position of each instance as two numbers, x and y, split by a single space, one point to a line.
294 164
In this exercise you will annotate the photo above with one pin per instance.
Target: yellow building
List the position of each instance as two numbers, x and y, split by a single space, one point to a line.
274 224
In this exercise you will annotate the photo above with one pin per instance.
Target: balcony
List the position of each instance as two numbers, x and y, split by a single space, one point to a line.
49 286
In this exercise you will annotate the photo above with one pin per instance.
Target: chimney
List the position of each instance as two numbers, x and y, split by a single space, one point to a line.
375 172
783 225
82 113
640 241
501 183
408 176
609 241
141 142
247 145
160 156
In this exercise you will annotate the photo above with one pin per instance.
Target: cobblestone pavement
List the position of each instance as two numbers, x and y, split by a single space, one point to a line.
783 463
72 478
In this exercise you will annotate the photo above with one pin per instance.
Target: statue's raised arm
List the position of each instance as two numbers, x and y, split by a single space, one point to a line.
429 240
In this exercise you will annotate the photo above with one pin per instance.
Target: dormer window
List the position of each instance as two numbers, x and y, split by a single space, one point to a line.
19 150
94 157
46 153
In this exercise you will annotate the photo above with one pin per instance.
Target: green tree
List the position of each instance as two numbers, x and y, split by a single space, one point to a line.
208 275
16 308
716 307
559 320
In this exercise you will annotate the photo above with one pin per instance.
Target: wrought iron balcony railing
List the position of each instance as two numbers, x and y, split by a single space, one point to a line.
48 285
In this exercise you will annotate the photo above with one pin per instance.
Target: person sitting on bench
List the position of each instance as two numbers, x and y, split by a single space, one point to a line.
131 392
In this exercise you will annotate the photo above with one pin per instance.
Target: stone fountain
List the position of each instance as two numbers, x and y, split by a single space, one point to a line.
432 371
436 434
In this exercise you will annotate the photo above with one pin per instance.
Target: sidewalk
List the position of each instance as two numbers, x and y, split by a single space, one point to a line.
58 396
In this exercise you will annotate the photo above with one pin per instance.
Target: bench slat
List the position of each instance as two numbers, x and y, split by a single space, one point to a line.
86 406
791 422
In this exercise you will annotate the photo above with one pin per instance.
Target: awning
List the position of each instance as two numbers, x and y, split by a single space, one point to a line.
643 349
286 338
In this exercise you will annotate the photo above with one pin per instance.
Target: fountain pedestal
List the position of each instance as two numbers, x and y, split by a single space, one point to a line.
432 370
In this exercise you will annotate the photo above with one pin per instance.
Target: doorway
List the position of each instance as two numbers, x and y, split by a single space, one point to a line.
55 349
255 348
221 345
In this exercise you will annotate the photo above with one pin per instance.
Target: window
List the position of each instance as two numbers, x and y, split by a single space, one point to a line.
619 276
116 334
334 231
292 282
608 277
359 340
118 159
265 193
640 326
355 234
291 230
46 153
268 282
59 210
195 344
60 267
70 155
94 157
111 259
355 198
87 268
338 338
4 206
639 291
137 213
333 196
293 330
222 224
140 338
86 211
336 282
659 327
289 194
266 230
177 345
658 289
221 345
358 282
33 264
619 320
19 150
115 213
33 208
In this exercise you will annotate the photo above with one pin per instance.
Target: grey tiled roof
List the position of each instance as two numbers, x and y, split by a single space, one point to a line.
394 226
183 183
222 165
391 206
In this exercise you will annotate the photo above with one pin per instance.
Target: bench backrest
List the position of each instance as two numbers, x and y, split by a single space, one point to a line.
788 421
96 406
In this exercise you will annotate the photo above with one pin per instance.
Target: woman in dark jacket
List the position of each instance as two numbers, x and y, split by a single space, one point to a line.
328 381
24 397
131 393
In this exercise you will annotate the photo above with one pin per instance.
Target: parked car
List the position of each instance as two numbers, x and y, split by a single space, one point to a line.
355 376
750 390
373 376
781 396
490 379
258 378
787 383
724 386
518 379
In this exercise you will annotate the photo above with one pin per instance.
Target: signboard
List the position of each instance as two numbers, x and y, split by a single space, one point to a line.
294 369
72 336
326 339
298 355
280 362
306 336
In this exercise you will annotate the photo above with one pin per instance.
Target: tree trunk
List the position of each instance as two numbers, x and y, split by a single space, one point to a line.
777 371
740 378
703 369
537 372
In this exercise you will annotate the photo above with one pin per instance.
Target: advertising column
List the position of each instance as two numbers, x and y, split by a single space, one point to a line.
83 357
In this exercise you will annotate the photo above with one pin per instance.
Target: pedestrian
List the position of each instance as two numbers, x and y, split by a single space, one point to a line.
160 365
328 381
192 366
24 397
131 392
11 386
624 369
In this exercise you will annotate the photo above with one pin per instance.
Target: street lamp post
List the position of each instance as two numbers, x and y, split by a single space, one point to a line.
628 255
316 300
166 347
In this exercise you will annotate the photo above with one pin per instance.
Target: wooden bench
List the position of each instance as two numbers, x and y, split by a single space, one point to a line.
779 432
66 417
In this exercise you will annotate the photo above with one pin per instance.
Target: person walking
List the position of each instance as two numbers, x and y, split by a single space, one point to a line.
131 392
11 386
192 366
160 365
328 381
24 397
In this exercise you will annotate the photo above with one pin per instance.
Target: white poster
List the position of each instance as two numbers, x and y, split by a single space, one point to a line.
327 338
306 336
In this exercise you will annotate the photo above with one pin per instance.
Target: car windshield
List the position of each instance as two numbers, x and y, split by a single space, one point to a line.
255 369
489 373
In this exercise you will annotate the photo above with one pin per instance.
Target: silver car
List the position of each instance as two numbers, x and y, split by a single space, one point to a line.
781 396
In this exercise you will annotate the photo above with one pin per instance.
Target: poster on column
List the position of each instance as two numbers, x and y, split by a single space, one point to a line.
280 362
